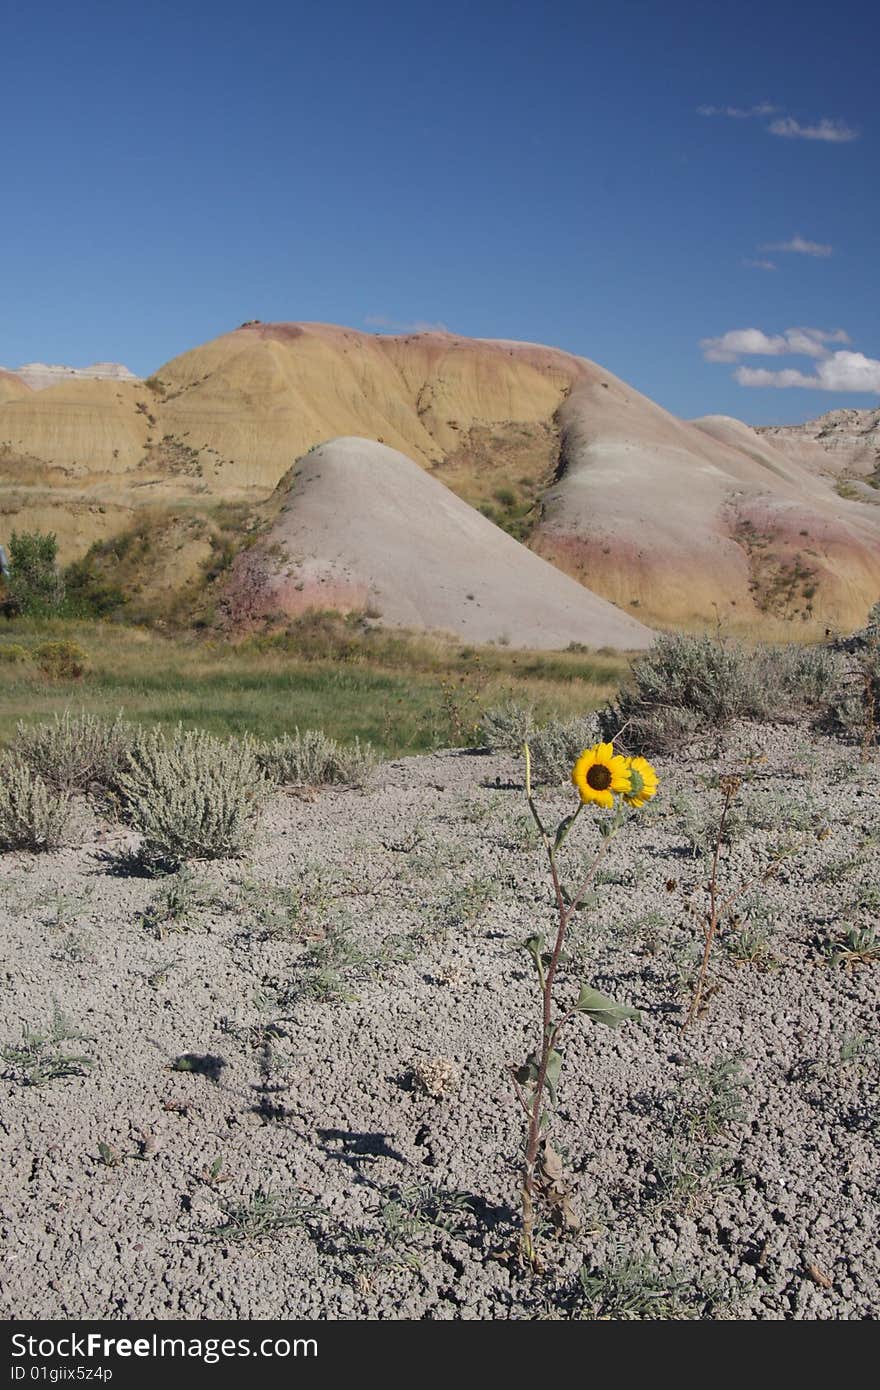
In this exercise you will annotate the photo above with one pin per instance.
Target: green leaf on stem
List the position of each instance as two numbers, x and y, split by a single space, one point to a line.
527 1074
563 828
587 902
600 1009
554 1067
535 947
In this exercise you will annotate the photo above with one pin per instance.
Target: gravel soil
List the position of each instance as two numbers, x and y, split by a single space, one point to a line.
300 1105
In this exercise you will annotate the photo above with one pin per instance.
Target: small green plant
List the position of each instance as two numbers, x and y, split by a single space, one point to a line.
41 1057
32 815
750 943
265 1214
708 1103
192 796
61 661
326 971
176 905
287 912
854 946
157 972
108 1155
718 906
711 1099
418 1210
463 905
630 1288
857 1049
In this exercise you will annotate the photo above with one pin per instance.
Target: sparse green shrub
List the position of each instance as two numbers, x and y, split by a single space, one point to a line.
61 661
312 759
557 746
505 728
13 654
266 1214
88 594
630 1288
34 586
854 708
76 751
192 796
177 904
32 815
39 1057
800 680
688 685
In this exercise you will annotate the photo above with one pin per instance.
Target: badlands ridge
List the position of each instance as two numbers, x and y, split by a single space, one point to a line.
674 522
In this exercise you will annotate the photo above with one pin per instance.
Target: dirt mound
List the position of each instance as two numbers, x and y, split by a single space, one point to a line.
363 528
681 520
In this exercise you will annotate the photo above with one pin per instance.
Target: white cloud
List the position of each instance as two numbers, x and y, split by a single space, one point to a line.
742 341
739 113
753 342
799 246
833 132
758 264
810 342
842 371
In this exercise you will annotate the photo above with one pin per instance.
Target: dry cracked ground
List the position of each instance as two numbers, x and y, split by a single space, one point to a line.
295 1099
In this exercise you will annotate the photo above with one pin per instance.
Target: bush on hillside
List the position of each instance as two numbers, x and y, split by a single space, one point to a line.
34 587
61 661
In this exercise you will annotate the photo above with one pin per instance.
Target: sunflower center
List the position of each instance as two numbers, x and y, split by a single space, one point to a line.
599 777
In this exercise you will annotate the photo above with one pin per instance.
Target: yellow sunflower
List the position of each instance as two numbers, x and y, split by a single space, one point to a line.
643 779
599 774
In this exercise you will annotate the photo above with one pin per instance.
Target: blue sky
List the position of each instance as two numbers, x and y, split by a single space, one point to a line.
534 171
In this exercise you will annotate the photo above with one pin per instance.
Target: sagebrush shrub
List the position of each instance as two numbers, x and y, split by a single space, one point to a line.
854 706
61 661
505 728
797 679
76 751
687 685
192 796
32 815
558 744
312 759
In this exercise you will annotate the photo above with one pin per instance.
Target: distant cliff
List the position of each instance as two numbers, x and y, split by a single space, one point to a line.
38 375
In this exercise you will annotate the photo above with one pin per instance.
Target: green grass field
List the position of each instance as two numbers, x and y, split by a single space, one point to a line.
404 693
